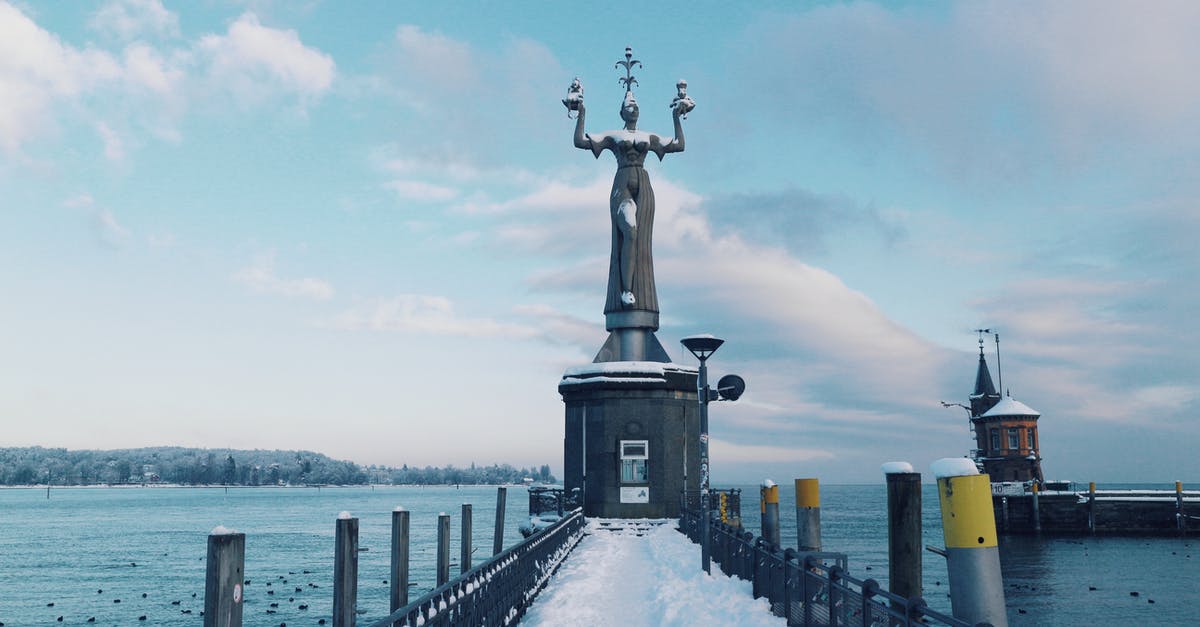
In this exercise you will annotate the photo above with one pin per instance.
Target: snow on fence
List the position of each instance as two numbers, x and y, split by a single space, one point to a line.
496 592
808 588
500 590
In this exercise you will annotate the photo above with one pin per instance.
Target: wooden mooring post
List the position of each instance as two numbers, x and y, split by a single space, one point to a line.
1179 517
223 581
498 538
1092 507
464 553
399 567
443 549
904 529
345 571
769 500
1036 514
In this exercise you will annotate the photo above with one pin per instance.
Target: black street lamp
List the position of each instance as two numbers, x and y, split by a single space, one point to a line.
730 387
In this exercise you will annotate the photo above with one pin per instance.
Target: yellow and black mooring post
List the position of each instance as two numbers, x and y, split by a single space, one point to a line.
972 547
808 515
769 508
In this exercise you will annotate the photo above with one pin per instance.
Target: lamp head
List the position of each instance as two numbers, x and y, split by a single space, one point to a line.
702 345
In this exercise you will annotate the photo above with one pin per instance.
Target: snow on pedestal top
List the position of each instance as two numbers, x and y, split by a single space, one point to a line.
954 467
897 468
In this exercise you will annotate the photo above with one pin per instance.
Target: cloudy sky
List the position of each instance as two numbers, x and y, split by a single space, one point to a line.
363 229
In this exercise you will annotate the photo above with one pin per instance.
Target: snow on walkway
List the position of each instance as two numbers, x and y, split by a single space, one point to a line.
620 578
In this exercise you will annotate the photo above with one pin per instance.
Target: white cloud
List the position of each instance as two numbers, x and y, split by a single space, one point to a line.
993 90
420 190
260 276
436 60
79 200
730 452
160 240
36 69
417 313
114 150
252 61
132 19
146 68
109 230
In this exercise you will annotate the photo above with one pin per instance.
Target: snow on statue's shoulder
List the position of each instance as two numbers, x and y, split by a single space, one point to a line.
954 467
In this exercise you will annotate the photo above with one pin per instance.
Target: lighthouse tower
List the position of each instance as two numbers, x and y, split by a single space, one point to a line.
1006 437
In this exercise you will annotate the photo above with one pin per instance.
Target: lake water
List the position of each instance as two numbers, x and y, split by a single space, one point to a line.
79 548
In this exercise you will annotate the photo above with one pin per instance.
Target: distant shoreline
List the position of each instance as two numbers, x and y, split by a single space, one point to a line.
127 486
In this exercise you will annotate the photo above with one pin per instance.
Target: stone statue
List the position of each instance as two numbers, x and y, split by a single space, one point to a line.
631 203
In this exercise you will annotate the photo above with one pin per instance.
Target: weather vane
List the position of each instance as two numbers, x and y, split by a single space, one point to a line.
628 81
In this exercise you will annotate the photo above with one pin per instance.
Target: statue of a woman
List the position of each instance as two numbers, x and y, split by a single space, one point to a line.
631 204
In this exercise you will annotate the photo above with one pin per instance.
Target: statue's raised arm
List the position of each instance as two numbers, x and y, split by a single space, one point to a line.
631 203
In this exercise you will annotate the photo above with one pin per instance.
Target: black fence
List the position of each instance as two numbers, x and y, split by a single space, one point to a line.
808 588
500 590
544 500
727 504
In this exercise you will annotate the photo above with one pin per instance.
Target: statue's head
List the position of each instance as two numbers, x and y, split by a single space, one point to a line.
629 108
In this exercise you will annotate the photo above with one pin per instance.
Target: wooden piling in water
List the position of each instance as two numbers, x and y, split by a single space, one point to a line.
498 538
904 532
223 580
443 549
1092 507
1179 517
464 553
345 571
399 566
1036 514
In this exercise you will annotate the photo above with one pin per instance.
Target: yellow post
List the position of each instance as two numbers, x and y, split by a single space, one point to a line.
769 508
1037 512
972 551
1092 506
808 515
1179 505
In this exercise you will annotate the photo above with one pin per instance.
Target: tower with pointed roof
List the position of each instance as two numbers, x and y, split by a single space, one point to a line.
1005 431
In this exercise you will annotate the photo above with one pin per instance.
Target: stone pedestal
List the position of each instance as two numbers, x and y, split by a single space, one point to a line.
636 403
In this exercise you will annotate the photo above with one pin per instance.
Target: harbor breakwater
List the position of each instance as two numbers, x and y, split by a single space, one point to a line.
1092 511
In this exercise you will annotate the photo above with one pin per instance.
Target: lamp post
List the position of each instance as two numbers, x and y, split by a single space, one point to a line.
970 426
730 387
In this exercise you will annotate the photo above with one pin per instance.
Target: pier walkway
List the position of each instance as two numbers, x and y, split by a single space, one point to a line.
628 572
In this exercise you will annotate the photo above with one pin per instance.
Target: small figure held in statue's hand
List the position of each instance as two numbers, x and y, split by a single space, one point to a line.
682 104
574 99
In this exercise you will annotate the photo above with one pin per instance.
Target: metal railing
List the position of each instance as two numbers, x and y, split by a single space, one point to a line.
809 588
726 503
500 590
544 500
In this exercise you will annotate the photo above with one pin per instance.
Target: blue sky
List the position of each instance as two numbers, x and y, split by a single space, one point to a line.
362 228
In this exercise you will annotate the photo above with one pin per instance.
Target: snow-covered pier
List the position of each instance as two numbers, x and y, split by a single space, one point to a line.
632 572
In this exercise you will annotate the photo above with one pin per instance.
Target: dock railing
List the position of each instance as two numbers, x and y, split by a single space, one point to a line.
809 588
500 590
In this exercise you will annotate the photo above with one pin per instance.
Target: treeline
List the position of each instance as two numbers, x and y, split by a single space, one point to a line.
194 466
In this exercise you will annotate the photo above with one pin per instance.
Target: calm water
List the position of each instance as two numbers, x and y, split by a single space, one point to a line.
1048 578
78 549
81 541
